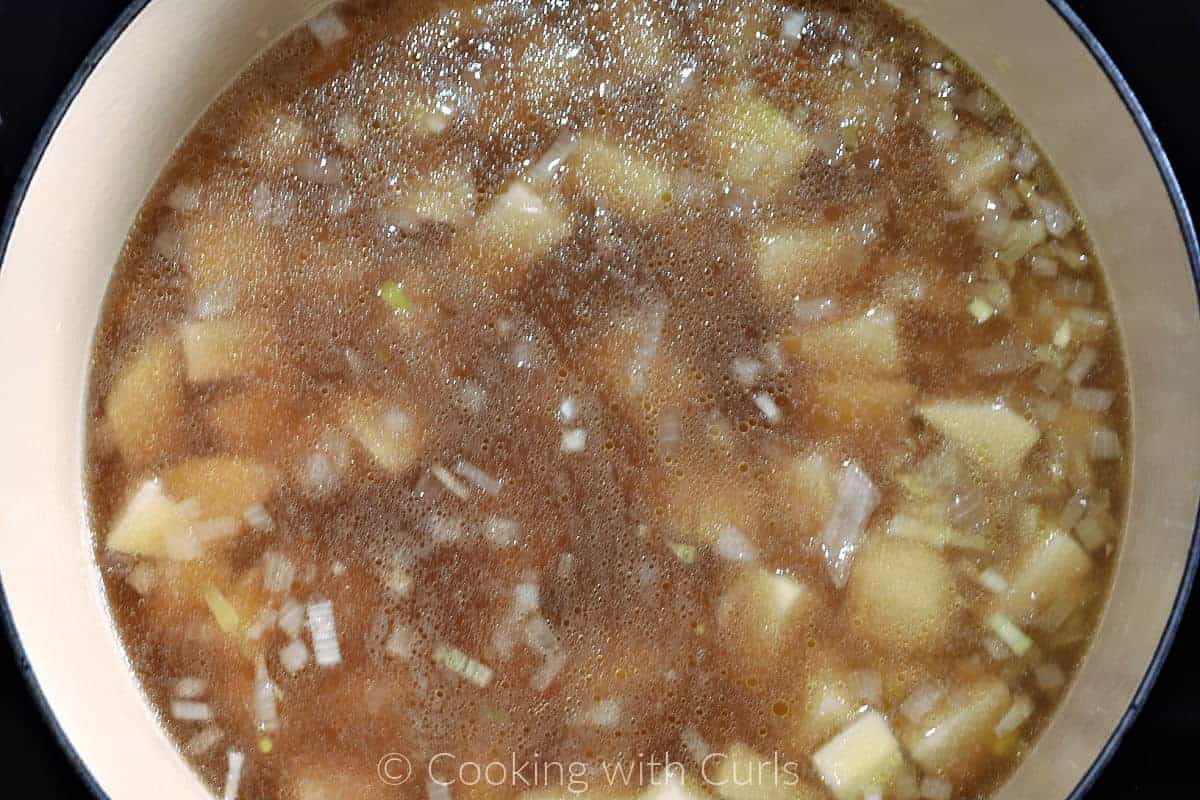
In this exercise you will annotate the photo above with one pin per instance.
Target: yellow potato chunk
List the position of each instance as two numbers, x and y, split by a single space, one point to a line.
223 486
520 226
955 739
390 436
672 786
225 349
753 142
147 522
620 179
145 406
227 252
975 164
861 408
901 596
791 261
866 344
761 610
1052 569
996 438
741 773
863 755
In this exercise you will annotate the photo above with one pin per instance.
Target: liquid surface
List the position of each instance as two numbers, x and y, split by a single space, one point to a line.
679 400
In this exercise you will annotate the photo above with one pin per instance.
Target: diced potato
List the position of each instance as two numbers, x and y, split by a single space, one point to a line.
225 349
859 407
866 344
753 142
741 773
975 164
521 225
259 422
1052 569
673 786
620 179
224 486
901 596
807 486
806 260
826 701
390 436
863 755
226 252
145 406
956 738
445 197
761 611
148 521
995 437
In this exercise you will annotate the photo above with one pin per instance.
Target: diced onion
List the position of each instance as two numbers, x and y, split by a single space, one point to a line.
795 25
327 28
647 346
233 774
1082 366
265 711
463 665
478 477
573 441
936 789
322 629
856 500
1097 400
604 714
1059 221
921 702
526 598
142 578
190 711
1025 159
258 518
293 656
452 484
184 197
551 164
544 675
1021 709
567 409
1075 290
993 581
205 740
400 643
291 618
766 404
814 310
278 572
325 170
502 532
732 545
1049 676
190 688
1105 445
1073 511
695 745
746 370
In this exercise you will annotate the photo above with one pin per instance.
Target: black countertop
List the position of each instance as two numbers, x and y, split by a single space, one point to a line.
1155 44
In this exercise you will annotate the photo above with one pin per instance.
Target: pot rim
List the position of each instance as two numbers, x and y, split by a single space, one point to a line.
1111 71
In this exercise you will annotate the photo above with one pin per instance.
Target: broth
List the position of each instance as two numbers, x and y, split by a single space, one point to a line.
663 399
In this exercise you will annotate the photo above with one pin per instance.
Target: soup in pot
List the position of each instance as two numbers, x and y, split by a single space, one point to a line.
656 399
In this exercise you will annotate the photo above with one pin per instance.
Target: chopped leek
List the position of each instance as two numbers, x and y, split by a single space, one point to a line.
265 745
1010 634
463 665
684 552
1062 334
396 298
222 610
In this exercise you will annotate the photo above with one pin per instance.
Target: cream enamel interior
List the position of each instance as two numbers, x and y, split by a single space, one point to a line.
174 59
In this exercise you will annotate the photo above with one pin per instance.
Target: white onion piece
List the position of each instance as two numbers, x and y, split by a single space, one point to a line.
526 598
325 170
768 407
746 370
573 441
868 685
278 572
1025 159
651 325
604 714
347 131
1059 221
993 581
293 656
142 578
1082 366
695 745
190 711
551 164
814 310
922 701
502 532
321 626
258 518
291 618
936 789
184 197
1049 676
1021 709
190 688
205 740
400 643
795 25
327 28
544 675
1073 511
1097 400
857 499
568 409
478 477
233 774
732 545
452 484
265 711
1105 445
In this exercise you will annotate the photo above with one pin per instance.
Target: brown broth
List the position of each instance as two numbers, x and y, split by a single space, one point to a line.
700 378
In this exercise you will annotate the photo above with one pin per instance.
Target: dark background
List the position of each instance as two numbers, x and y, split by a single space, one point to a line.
1156 43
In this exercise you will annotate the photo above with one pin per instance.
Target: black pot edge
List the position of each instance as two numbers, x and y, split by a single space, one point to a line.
1106 63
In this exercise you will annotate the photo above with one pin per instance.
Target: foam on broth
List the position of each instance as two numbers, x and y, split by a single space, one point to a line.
713 382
